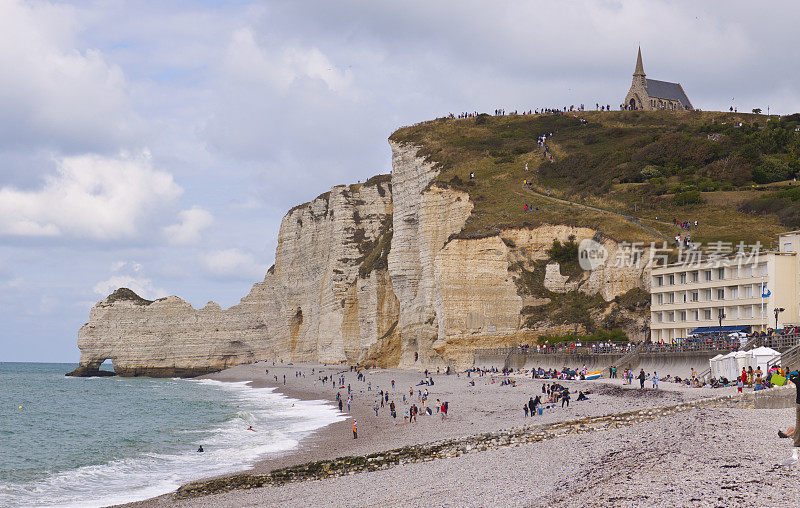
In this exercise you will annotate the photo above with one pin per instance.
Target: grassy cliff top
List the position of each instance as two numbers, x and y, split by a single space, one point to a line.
732 172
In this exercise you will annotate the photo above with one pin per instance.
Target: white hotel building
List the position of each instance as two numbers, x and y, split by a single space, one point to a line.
685 297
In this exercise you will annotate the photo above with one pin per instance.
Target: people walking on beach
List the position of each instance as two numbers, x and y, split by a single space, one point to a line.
525 409
655 379
565 398
340 404
355 429
641 377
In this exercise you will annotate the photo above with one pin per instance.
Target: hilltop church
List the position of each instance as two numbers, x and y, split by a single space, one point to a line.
652 94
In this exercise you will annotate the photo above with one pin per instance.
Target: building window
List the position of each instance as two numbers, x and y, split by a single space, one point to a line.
683 278
787 247
720 294
762 269
671 317
694 315
733 312
748 291
707 295
706 314
670 279
695 276
671 298
658 317
683 315
660 298
708 275
734 292
695 296
721 273
659 281
734 272
748 271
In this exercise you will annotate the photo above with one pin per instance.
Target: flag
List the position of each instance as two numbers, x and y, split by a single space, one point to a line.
765 292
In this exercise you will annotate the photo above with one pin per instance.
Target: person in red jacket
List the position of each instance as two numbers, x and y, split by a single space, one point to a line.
744 376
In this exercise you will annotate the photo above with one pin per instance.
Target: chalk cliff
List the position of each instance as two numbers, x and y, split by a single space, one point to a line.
375 272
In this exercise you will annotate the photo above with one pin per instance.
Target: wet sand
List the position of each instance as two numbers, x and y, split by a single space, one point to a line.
627 466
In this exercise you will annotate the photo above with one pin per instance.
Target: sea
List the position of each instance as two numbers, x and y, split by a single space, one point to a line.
97 441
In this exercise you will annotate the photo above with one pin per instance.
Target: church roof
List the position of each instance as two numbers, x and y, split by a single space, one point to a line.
667 90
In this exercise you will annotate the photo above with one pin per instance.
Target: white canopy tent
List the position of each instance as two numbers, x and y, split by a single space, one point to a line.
714 365
759 357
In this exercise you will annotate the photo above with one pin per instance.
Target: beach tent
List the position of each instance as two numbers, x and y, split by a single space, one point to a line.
714 365
759 357
727 366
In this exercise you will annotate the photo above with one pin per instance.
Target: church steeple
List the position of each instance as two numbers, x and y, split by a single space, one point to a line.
639 67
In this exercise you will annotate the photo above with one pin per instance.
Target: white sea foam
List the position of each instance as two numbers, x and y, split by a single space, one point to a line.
279 423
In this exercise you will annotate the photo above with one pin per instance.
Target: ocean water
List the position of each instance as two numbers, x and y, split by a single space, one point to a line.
99 441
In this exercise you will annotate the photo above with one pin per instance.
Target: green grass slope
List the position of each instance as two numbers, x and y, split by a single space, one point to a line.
733 173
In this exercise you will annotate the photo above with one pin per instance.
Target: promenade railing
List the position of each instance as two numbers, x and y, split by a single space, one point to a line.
779 342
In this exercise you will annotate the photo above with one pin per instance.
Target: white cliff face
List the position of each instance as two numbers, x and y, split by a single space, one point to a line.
371 273
425 216
328 298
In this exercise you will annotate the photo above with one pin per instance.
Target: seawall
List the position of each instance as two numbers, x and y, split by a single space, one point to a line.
675 364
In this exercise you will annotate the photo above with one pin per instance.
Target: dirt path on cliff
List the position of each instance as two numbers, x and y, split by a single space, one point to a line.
631 219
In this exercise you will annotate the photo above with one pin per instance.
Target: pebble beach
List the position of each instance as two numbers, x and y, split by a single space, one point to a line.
708 450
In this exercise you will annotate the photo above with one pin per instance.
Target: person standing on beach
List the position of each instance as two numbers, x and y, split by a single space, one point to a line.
655 379
641 377
355 429
340 404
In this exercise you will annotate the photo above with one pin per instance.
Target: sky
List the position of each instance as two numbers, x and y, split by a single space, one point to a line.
157 145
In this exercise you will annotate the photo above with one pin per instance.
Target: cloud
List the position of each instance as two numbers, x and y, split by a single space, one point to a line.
188 230
142 286
232 263
247 61
54 90
89 196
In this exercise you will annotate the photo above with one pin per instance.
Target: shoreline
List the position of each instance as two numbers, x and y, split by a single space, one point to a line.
485 407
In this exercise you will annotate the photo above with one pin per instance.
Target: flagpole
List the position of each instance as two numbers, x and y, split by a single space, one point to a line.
763 326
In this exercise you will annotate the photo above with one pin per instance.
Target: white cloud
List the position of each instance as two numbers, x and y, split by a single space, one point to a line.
54 90
280 68
232 263
90 196
118 266
140 285
189 230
